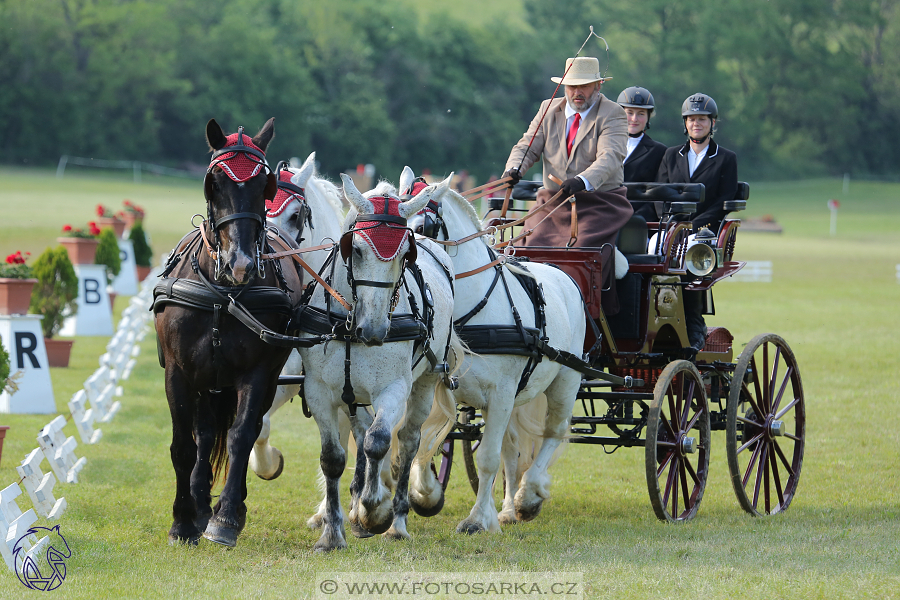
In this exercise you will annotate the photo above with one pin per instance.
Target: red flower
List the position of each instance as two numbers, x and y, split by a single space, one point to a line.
94 229
67 228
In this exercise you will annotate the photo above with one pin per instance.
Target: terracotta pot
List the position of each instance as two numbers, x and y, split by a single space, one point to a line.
117 225
130 219
58 352
143 272
15 295
81 250
3 429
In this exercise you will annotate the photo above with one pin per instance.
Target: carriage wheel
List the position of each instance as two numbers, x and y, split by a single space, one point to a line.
442 472
468 451
766 426
678 442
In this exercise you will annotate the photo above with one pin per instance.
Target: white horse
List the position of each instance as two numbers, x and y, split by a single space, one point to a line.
489 382
392 377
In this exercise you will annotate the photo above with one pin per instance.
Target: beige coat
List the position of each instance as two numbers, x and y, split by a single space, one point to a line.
599 149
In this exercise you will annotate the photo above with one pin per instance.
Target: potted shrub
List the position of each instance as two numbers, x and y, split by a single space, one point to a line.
16 282
81 244
143 254
107 218
131 213
55 297
108 254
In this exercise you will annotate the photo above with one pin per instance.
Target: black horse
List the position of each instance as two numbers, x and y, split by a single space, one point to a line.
218 301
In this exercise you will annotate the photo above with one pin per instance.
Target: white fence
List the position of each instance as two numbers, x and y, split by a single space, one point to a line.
135 166
754 270
99 390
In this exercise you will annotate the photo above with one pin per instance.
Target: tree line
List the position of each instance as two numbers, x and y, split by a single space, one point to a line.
804 87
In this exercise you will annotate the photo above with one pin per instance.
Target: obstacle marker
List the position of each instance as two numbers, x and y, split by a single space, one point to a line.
126 282
39 486
24 341
60 451
94 316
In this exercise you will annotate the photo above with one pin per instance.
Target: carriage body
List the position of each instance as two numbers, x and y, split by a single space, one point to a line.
669 405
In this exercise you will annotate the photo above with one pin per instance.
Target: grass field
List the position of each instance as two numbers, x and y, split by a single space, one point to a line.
834 299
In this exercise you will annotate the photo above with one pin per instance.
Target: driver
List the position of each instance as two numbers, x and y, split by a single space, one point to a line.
582 139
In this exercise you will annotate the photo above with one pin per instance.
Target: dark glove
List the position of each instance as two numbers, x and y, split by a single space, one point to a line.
572 186
515 174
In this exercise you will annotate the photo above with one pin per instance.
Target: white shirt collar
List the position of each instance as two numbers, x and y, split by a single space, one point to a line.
632 145
694 159
570 112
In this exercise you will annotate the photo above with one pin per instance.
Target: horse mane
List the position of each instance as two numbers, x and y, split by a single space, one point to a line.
330 191
383 188
463 206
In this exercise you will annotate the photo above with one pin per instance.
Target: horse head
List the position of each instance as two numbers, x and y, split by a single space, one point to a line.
375 246
290 210
238 182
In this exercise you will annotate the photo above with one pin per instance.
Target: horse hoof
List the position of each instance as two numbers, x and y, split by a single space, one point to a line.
315 522
219 533
508 518
469 528
424 511
277 471
395 534
202 520
174 540
359 531
379 528
528 513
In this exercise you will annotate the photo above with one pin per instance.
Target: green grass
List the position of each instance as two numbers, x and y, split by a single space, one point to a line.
833 299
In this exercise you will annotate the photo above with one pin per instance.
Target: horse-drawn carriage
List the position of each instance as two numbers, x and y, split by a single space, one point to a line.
643 389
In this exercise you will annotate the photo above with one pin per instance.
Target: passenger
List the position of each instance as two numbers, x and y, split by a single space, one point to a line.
701 160
582 139
643 154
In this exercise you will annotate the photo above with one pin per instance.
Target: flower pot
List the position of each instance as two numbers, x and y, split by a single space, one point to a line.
15 295
58 352
117 225
143 272
81 250
3 429
130 219
112 299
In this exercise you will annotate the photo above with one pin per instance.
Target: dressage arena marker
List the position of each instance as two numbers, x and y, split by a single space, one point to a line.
94 316
24 341
126 283
115 366
754 271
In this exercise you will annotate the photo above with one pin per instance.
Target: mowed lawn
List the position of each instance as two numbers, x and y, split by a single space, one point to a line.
834 299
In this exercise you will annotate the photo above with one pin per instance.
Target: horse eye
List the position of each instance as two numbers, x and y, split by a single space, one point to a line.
293 218
420 229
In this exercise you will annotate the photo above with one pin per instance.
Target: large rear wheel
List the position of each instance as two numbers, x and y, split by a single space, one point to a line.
766 426
678 443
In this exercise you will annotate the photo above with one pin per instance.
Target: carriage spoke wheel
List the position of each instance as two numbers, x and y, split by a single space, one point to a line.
677 444
766 426
469 447
445 463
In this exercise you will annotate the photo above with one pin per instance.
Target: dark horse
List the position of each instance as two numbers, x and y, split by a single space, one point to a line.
221 375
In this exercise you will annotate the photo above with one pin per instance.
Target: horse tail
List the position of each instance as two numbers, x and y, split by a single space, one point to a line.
227 411
526 433
442 418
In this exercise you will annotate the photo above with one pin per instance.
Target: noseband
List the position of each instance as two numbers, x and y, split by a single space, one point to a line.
218 159
380 220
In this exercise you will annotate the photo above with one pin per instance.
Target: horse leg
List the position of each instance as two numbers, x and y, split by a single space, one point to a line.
359 425
510 454
417 408
332 461
184 454
375 509
230 514
265 460
483 516
202 474
535 485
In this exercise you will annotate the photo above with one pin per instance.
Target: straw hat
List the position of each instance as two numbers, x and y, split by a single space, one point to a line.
584 70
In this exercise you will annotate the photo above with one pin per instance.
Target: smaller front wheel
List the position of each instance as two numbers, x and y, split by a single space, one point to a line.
678 443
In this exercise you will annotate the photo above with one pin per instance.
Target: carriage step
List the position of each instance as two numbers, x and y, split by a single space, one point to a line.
605 441
290 379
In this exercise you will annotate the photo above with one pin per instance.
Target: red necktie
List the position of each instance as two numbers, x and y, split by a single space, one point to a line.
573 131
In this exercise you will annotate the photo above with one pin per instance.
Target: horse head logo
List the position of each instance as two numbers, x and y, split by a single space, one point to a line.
43 567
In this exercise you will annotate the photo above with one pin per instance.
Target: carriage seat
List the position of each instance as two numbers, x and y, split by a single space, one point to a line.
632 242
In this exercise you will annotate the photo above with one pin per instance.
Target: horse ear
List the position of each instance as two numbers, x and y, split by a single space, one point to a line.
265 135
411 207
360 202
215 137
406 181
305 172
271 187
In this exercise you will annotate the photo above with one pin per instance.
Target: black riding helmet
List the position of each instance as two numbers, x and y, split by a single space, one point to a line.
699 104
637 97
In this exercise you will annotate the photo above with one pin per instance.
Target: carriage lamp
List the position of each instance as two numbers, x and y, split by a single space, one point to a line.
700 259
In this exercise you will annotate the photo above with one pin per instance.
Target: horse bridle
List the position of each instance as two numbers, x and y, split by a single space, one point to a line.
381 220
256 156
305 216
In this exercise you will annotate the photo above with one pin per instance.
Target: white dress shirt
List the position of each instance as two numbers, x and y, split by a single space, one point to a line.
694 159
570 114
632 144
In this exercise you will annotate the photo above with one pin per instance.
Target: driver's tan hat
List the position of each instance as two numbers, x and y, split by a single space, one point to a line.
581 71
